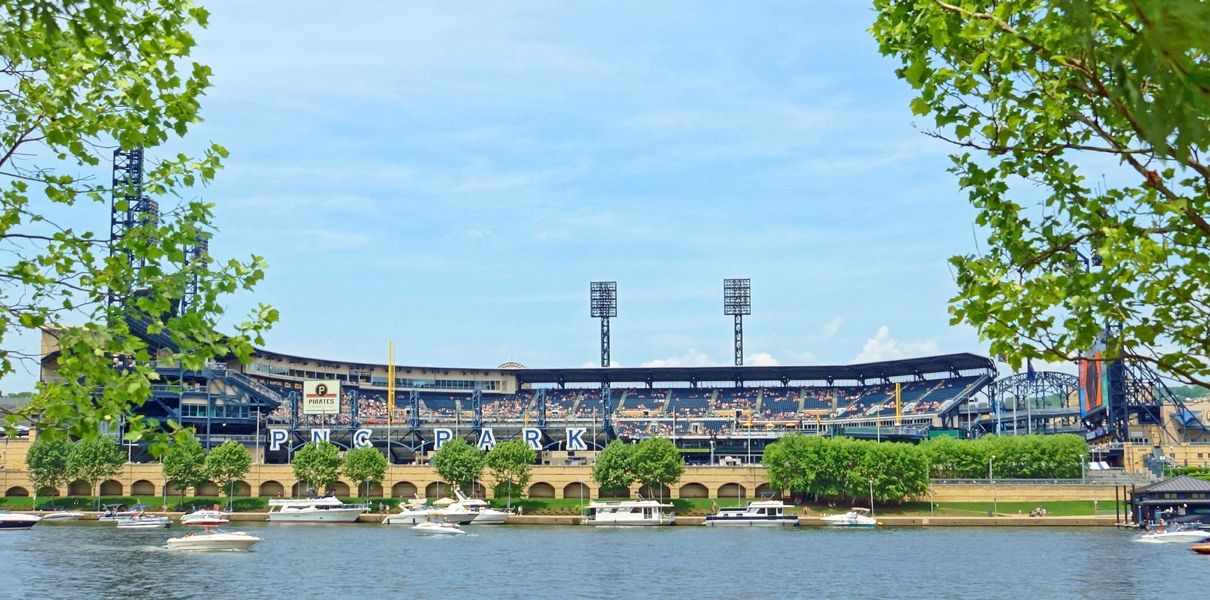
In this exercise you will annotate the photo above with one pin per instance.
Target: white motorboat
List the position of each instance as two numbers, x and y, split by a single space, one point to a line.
62 515
213 540
1188 534
117 512
205 518
762 513
628 513
438 528
144 521
856 518
314 510
17 520
417 511
484 513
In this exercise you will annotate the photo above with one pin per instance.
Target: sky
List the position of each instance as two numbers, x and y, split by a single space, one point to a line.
451 176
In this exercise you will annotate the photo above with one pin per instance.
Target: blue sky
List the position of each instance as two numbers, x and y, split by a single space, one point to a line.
452 176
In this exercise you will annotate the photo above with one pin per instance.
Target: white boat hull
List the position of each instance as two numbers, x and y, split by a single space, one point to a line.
18 521
62 516
238 541
437 529
490 517
326 515
665 520
741 522
145 523
1175 537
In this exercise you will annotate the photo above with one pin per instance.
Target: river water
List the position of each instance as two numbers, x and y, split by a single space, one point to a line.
356 561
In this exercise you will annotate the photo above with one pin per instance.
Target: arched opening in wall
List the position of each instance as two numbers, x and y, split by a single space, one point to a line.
241 489
48 492
110 487
618 493
437 489
79 488
541 490
765 490
732 490
142 487
340 488
577 491
656 493
272 489
477 491
694 490
16 492
301 490
208 489
374 490
403 489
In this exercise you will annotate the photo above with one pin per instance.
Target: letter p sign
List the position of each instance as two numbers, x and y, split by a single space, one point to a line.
441 436
277 437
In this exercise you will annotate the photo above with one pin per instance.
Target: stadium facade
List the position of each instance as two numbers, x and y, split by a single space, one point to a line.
719 411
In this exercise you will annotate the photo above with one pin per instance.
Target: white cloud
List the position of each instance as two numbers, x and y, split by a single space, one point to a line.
832 327
884 347
761 359
691 359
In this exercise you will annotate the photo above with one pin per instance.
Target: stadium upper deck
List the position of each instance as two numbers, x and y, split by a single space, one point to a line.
641 401
714 402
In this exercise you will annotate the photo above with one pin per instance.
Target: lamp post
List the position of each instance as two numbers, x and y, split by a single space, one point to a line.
871 481
992 479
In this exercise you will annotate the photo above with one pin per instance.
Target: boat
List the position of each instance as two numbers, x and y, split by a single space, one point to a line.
417 510
1201 548
857 517
17 520
438 528
761 513
327 509
213 540
144 521
116 512
484 514
1191 533
205 517
62 515
628 513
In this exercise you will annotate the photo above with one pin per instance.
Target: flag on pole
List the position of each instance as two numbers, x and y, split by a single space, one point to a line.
1030 375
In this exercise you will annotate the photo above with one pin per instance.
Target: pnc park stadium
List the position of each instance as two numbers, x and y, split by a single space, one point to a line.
278 400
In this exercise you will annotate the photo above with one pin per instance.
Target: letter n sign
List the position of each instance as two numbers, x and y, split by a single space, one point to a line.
320 435
575 439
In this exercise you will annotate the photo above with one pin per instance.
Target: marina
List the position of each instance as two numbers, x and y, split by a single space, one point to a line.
576 561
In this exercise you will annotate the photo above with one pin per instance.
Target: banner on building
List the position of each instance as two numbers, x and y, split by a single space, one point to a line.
321 397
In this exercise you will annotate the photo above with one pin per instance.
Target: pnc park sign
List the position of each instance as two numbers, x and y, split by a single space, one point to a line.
532 436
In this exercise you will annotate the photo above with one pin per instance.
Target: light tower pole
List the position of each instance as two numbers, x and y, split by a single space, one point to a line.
603 303
737 300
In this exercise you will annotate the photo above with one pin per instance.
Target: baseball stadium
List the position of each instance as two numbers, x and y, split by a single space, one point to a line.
278 401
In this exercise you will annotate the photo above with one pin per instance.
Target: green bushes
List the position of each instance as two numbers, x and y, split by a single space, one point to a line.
844 469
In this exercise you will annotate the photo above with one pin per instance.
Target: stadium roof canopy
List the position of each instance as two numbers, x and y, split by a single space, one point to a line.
950 364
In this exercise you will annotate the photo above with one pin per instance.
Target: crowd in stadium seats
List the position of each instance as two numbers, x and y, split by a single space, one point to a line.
658 411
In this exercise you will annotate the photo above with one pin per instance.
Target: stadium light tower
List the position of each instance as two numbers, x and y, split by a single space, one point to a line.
737 300
603 302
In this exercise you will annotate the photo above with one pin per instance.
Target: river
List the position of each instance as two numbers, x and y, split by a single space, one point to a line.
356 561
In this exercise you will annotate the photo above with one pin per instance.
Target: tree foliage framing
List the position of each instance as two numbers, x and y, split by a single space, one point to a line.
1084 127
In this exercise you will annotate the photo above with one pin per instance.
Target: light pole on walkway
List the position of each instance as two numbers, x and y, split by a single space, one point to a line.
992 479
